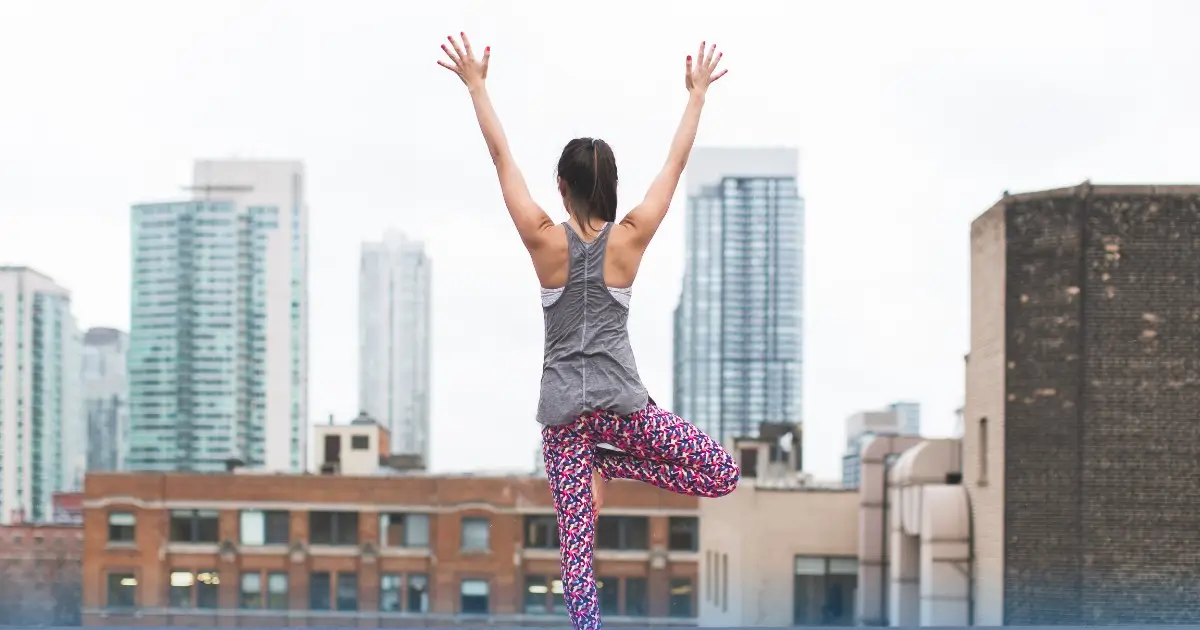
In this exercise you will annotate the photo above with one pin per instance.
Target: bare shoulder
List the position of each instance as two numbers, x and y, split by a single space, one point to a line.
623 255
549 252
627 238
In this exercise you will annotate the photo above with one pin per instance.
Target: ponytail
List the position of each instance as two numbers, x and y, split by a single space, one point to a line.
587 171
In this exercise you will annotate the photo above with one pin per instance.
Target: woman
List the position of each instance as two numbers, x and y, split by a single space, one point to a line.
591 393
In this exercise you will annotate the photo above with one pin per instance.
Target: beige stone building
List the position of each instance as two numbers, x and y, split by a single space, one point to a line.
771 550
783 550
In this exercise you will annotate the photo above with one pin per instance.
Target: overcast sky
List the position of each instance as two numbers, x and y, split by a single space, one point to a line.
911 119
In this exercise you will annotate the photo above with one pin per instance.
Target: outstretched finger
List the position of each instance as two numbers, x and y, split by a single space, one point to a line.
700 55
458 49
448 66
487 54
708 59
453 57
689 65
467 45
718 76
712 66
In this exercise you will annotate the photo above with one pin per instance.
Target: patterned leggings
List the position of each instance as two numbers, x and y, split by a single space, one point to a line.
660 449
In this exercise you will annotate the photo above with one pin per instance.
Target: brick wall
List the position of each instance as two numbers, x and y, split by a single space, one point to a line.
1041 420
1102 398
1141 401
40 568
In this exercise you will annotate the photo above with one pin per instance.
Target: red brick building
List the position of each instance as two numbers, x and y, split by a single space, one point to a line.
250 549
40 568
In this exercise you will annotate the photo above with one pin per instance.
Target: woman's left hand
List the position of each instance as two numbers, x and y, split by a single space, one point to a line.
472 72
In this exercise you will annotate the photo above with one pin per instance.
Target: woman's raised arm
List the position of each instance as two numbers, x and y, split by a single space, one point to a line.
644 220
533 224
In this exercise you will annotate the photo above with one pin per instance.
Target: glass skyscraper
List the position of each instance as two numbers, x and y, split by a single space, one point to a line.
42 448
738 327
218 345
106 398
394 318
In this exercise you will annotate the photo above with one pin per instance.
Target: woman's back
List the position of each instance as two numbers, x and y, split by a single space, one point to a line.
589 364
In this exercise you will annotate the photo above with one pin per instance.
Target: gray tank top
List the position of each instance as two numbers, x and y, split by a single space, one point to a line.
589 362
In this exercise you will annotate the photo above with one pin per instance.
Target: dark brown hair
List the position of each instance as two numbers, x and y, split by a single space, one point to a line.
588 170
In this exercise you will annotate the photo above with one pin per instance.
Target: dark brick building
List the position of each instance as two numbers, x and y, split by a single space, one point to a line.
247 549
1082 420
40 567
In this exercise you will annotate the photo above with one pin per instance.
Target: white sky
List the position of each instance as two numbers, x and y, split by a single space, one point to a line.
911 119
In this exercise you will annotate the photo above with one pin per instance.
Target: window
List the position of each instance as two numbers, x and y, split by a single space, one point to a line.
681 598
277 591
391 592
333 449
609 591
122 590
122 527
543 595
208 588
623 532
824 591
475 534
193 590
683 533
417 588
404 530
347 591
637 597
252 590
264 528
318 591
194 526
983 451
558 600
536 595
333 528
360 442
179 593
473 597
749 463
541 532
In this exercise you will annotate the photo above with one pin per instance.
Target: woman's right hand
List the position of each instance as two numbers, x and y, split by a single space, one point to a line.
703 72
463 63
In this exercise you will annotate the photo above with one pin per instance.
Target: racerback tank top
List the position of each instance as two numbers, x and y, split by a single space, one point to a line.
588 362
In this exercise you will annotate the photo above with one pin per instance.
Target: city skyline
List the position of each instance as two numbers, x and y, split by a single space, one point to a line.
906 130
394 321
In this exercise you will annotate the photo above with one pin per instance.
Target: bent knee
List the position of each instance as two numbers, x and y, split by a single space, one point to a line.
728 481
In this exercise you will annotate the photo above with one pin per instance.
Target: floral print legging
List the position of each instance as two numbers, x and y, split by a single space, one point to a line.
659 447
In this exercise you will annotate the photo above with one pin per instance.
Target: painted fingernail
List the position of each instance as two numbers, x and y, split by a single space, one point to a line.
689 57
487 49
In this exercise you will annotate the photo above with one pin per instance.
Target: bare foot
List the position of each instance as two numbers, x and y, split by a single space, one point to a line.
598 485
